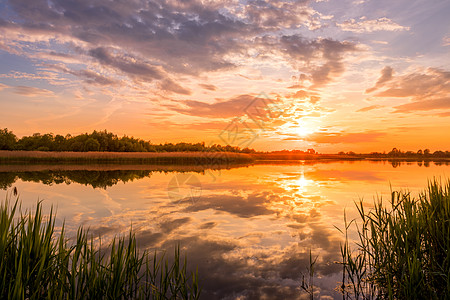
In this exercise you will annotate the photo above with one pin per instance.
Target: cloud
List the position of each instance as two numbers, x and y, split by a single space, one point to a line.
88 76
159 40
330 51
233 107
31 91
386 75
346 138
3 86
446 41
427 90
128 65
439 103
209 87
169 85
368 108
362 25
419 85
286 14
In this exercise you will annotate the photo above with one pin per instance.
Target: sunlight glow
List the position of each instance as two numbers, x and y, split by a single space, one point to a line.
303 131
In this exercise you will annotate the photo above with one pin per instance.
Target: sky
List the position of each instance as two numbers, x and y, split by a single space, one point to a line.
335 76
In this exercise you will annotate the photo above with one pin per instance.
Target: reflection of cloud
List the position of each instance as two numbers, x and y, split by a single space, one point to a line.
229 271
345 175
208 225
251 206
167 226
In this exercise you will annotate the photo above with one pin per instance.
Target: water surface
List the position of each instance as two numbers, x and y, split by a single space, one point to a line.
249 229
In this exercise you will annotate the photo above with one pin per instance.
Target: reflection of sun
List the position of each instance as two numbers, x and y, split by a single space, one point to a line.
299 184
302 182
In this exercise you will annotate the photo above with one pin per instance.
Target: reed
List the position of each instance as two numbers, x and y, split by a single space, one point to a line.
403 248
36 262
205 159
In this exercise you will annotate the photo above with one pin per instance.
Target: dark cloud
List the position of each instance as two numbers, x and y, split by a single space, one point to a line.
158 40
386 75
330 51
128 65
185 38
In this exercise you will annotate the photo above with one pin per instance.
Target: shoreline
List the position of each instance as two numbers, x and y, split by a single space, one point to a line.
203 159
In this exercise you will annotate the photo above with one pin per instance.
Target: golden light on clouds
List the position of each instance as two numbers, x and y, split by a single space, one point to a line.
173 72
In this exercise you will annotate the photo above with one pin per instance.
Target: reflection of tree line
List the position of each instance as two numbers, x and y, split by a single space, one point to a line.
425 163
96 179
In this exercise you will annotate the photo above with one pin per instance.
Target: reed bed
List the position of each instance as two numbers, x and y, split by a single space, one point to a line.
206 159
403 251
38 263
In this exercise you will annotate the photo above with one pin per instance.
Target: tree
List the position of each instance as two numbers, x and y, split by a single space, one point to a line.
91 145
7 140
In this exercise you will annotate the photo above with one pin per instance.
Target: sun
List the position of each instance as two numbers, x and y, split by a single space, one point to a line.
303 131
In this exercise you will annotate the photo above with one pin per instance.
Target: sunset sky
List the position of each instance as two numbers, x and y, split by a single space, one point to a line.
338 75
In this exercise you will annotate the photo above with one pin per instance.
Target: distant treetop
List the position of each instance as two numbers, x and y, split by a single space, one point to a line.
101 141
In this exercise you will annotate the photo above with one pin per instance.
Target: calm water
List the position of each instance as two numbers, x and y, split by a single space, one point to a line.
248 229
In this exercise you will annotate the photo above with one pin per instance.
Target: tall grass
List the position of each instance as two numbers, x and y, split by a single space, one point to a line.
403 251
37 263
206 159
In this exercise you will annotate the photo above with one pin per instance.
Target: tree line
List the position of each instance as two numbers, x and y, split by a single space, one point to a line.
397 153
101 141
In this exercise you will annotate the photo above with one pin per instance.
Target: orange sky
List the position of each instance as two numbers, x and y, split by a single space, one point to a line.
334 76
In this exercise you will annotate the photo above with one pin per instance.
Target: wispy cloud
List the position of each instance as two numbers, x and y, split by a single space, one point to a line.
386 75
362 25
346 138
31 91
369 108
427 90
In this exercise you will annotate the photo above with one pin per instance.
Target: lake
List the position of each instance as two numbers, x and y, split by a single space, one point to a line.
248 229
